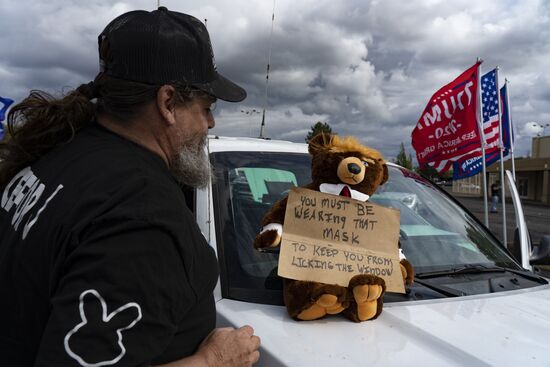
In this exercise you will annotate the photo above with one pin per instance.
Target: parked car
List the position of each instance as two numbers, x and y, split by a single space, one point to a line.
442 182
472 303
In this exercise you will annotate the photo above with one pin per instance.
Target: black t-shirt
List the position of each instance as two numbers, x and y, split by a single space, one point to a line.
101 261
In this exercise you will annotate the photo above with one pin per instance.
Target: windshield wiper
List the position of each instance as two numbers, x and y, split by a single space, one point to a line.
464 269
446 291
479 269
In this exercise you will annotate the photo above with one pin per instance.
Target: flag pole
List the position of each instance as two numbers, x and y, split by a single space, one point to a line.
501 148
482 135
510 131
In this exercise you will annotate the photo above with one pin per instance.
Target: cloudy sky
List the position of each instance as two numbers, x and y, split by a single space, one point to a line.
367 68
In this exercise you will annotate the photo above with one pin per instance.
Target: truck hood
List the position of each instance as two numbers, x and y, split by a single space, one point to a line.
502 329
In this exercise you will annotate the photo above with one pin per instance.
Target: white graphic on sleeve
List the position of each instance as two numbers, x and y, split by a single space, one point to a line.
106 318
23 192
31 222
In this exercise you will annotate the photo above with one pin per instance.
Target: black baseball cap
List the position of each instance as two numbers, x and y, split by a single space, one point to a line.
163 47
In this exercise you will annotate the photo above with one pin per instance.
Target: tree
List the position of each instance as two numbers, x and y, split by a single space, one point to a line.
319 127
431 173
402 159
428 171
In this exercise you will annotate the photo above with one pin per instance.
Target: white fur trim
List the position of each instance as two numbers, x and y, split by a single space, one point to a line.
335 189
273 226
401 254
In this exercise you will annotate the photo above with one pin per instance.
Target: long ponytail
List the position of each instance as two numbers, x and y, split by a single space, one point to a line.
41 122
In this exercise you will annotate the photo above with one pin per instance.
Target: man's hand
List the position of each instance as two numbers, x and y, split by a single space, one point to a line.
230 347
224 347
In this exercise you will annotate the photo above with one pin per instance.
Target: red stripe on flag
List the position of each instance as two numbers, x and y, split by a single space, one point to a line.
448 125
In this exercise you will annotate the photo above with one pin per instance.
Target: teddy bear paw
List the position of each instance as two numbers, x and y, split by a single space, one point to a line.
267 239
366 296
326 304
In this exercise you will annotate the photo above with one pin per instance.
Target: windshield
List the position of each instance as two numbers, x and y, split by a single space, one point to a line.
436 233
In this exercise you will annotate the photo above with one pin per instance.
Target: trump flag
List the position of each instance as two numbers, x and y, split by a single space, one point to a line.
447 129
6 103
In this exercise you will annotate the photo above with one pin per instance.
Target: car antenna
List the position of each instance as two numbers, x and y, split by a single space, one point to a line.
262 126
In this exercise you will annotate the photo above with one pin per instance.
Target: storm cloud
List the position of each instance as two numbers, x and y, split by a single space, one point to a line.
365 67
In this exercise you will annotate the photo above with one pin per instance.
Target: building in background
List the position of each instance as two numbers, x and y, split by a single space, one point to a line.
532 174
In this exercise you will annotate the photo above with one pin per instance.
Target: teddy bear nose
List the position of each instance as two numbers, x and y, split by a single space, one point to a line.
354 168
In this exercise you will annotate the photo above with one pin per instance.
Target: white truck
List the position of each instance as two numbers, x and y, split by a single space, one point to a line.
472 303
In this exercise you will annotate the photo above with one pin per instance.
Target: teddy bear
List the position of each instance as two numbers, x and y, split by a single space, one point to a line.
340 166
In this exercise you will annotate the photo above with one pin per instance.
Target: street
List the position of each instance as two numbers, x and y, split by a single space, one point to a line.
536 215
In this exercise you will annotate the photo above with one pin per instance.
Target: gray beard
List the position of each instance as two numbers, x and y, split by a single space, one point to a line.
190 166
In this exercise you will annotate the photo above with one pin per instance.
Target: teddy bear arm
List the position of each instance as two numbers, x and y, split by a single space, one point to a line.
276 214
407 272
272 226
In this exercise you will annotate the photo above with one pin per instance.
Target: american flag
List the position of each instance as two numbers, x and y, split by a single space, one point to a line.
490 98
489 101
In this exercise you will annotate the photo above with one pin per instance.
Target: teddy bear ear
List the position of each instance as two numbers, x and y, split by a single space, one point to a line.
319 142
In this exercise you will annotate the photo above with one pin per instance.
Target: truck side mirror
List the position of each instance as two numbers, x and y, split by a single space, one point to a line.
515 248
541 252
523 241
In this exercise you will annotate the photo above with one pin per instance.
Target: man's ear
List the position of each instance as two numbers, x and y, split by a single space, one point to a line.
166 105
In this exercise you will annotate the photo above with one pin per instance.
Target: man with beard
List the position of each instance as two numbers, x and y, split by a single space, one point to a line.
101 262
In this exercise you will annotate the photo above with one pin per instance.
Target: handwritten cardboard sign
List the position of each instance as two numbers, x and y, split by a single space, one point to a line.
329 239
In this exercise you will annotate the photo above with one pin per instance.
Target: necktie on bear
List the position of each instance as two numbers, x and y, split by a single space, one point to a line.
345 192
